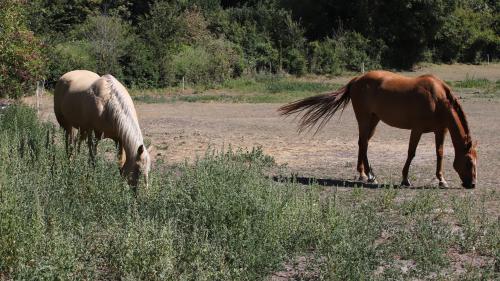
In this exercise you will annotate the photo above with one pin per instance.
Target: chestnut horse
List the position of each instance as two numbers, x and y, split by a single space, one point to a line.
423 104
86 102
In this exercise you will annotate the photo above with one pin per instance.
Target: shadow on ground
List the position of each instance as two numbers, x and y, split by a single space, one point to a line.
346 183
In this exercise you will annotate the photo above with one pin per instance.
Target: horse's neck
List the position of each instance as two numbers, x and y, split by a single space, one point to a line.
123 113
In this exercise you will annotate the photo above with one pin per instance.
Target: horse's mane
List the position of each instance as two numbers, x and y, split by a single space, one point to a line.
120 110
460 113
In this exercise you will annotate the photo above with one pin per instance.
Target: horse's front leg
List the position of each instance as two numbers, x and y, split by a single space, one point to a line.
81 137
439 137
412 148
121 155
70 137
366 130
67 142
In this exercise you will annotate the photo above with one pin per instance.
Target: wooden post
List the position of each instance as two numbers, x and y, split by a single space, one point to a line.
488 58
362 67
183 83
39 94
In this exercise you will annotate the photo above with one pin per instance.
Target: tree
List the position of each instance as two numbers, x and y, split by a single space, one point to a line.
108 37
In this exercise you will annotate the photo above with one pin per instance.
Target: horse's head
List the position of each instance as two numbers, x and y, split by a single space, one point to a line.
140 167
465 165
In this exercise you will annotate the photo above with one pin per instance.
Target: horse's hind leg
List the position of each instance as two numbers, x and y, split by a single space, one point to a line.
81 137
69 139
414 139
92 146
367 125
439 137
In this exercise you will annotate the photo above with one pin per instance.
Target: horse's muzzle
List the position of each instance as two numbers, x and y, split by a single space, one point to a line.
469 184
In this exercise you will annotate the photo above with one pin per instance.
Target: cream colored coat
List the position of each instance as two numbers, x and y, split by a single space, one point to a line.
88 103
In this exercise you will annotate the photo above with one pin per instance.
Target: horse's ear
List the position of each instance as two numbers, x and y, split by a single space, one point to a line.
140 151
474 145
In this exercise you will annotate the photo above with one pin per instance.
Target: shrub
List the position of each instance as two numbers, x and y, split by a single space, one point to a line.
295 62
467 36
206 64
347 51
356 50
324 57
140 66
68 56
21 60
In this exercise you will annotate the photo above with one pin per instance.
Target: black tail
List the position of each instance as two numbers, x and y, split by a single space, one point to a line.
318 107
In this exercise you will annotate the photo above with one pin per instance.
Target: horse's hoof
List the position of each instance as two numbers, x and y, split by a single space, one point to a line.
406 183
363 179
372 180
443 184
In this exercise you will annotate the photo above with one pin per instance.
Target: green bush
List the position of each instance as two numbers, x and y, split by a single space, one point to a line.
68 56
295 62
356 50
213 62
21 60
140 67
467 36
324 57
347 51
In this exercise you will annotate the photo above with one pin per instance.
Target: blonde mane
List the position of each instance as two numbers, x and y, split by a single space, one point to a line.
121 112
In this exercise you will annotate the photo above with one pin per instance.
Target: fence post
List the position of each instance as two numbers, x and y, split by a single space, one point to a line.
183 83
488 58
39 93
363 67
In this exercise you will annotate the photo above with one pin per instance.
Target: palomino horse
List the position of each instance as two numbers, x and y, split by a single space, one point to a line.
423 104
101 105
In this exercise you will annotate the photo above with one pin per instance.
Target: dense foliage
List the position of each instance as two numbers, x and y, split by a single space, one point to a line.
21 63
155 43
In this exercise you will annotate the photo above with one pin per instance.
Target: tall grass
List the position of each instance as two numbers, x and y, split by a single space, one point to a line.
219 218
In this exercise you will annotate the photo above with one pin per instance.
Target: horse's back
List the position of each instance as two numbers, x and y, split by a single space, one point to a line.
400 101
72 96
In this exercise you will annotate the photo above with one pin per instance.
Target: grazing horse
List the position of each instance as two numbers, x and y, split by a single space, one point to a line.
86 102
423 104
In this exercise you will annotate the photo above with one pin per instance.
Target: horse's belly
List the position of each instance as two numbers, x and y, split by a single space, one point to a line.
423 119
398 122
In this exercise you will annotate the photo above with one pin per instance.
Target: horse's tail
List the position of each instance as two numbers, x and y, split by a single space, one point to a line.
320 107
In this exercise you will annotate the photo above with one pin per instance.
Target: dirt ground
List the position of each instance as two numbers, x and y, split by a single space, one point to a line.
181 131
